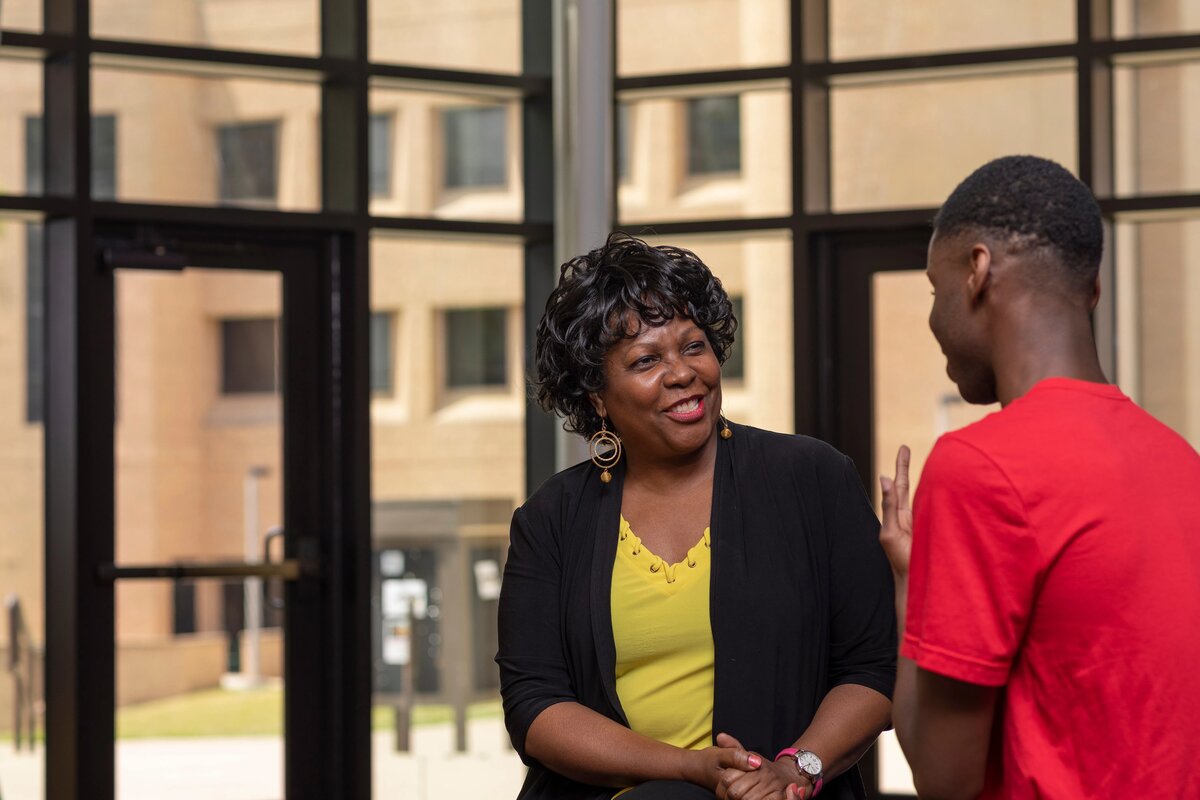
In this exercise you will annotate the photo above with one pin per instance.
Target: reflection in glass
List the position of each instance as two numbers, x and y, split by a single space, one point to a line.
1157 118
21 15
756 271
206 140
1158 18
21 506
872 28
277 26
447 155
480 35
910 144
1158 329
20 127
198 478
705 154
663 36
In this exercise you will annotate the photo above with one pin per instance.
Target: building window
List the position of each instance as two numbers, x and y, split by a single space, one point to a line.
247 162
622 144
476 150
249 350
104 156
714 135
183 596
476 347
381 352
380 154
734 368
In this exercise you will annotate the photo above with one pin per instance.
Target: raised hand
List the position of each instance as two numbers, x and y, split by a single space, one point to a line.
896 533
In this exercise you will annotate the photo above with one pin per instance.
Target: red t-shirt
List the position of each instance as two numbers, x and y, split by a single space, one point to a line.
1056 552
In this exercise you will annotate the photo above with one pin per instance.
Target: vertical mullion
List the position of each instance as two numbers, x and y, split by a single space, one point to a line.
80 669
537 113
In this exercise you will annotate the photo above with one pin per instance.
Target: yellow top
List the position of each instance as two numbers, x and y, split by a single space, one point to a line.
664 641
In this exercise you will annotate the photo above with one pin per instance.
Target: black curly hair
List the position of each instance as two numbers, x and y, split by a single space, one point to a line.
586 315
1033 203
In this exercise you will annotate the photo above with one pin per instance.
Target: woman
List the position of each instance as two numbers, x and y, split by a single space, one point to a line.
702 595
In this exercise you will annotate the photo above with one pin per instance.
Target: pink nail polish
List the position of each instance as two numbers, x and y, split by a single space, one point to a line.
755 761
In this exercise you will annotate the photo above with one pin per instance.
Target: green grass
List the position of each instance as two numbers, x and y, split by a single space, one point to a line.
254 712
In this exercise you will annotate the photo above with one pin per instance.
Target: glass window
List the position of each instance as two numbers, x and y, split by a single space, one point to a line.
734 367
483 35
1154 18
278 26
663 36
621 148
104 156
476 149
446 474
24 15
1157 136
381 351
183 602
1158 329
476 347
248 356
872 28
909 144
210 140
708 154
714 126
35 320
380 151
248 162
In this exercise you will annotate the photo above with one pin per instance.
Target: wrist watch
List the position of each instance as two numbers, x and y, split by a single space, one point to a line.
808 764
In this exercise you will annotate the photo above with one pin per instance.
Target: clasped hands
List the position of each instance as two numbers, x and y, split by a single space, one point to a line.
736 774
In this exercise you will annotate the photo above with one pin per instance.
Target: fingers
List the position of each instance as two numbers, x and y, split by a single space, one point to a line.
726 740
734 756
901 483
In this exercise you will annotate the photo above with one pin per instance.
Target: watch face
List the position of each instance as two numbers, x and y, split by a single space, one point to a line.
809 762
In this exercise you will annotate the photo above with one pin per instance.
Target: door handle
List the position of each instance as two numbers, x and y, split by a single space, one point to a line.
273 599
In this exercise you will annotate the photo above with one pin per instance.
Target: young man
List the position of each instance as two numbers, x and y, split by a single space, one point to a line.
1050 564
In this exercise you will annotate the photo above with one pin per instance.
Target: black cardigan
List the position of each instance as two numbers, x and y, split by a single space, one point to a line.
802 598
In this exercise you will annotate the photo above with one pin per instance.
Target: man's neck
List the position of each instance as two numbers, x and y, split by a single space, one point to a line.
1048 343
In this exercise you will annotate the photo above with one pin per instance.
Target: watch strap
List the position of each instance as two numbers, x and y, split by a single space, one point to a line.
790 752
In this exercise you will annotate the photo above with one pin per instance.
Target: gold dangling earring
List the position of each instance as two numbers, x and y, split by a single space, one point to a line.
605 449
725 432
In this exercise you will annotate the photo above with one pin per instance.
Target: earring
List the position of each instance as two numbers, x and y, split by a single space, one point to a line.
605 449
725 431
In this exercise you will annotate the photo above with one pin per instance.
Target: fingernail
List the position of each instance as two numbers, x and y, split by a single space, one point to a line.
755 761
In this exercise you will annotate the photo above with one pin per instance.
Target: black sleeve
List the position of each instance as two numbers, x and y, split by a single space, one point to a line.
862 607
533 669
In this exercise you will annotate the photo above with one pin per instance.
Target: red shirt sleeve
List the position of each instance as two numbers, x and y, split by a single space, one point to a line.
975 566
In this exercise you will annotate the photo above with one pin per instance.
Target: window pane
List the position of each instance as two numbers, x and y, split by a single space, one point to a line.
447 472
22 545
20 127
756 270
656 36
198 479
208 140
476 347
248 162
104 156
1157 137
279 26
248 356
621 146
1158 329
714 132
909 144
1157 18
706 154
869 28
381 351
455 156
21 15
483 35
380 154
474 146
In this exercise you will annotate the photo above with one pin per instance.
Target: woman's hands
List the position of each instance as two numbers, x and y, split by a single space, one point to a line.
771 780
706 767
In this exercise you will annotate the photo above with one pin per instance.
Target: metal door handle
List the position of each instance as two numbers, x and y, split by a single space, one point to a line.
272 599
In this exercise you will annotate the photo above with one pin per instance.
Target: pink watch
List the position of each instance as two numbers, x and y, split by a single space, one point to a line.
808 764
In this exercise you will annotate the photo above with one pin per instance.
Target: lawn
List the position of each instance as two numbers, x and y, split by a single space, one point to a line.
252 712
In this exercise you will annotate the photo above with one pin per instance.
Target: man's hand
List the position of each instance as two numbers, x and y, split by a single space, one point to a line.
895 534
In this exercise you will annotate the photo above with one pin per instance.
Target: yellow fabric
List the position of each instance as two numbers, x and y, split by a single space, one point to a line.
664 641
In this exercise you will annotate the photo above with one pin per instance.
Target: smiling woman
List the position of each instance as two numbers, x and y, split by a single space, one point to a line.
667 616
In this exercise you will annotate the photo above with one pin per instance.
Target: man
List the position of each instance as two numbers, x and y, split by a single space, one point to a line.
1053 597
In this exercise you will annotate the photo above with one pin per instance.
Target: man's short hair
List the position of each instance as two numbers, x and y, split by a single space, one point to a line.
1033 203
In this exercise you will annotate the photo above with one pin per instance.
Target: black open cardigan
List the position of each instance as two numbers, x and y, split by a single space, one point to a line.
802 599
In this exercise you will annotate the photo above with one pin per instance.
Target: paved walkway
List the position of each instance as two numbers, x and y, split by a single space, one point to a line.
251 768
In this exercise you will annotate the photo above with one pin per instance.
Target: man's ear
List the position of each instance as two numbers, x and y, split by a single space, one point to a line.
981 272
598 405
1095 296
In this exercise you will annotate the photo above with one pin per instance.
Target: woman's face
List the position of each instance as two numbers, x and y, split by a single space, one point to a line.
663 390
